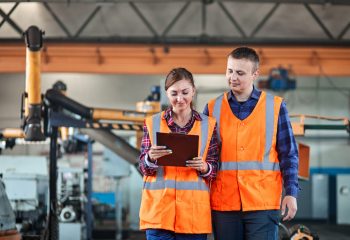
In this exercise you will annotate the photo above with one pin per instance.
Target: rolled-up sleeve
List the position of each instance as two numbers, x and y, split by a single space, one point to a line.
212 158
146 169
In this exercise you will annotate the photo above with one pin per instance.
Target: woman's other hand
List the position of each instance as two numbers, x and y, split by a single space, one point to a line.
198 164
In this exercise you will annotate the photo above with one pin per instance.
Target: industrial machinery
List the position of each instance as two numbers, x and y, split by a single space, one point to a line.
27 192
299 127
8 137
279 80
42 117
71 197
8 229
71 203
31 114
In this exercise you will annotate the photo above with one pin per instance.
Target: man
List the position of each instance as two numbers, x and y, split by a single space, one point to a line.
258 150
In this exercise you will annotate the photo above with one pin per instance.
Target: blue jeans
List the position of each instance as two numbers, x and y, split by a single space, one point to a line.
160 234
251 225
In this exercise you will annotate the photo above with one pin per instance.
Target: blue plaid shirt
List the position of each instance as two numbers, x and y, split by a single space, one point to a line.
286 145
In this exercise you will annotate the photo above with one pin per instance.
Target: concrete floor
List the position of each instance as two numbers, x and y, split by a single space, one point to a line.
325 231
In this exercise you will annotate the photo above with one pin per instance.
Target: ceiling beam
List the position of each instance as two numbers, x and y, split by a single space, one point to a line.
9 14
12 23
140 59
320 2
87 21
204 38
344 31
144 19
264 20
319 21
195 40
232 19
57 20
176 18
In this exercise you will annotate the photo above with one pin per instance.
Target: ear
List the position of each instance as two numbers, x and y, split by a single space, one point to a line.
256 74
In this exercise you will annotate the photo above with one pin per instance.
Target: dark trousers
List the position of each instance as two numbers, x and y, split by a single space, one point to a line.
160 234
252 225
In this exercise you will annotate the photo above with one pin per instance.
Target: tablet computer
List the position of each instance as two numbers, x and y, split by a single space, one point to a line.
184 147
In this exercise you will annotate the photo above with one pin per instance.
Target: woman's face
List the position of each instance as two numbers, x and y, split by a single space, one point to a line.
180 95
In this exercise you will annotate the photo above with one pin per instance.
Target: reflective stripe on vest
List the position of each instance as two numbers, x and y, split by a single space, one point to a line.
216 114
160 182
252 165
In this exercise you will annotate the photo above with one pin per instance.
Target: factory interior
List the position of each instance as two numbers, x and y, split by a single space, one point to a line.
79 77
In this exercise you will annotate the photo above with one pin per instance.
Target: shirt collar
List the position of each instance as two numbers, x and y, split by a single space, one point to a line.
169 118
254 95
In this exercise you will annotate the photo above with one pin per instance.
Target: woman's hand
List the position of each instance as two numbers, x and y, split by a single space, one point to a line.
198 164
156 152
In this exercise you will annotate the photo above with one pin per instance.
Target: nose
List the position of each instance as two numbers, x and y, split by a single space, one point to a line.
232 76
179 98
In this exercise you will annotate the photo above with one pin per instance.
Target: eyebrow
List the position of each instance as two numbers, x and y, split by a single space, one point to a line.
236 70
180 90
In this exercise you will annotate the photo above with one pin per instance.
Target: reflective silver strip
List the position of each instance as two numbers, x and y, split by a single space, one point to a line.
204 132
217 114
172 184
257 165
269 125
160 182
156 126
156 119
251 165
160 174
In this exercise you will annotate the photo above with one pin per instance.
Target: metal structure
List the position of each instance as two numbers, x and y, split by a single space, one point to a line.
7 217
211 22
50 111
27 191
75 213
300 127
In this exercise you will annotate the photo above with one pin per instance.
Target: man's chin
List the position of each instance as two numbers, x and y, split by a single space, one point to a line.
235 89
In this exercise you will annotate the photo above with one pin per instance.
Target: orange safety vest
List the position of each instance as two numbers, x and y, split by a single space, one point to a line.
177 198
249 177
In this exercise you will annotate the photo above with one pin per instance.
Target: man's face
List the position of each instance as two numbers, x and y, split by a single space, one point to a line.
240 74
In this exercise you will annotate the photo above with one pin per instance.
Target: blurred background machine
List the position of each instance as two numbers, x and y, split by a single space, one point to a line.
279 79
71 203
8 229
151 104
27 190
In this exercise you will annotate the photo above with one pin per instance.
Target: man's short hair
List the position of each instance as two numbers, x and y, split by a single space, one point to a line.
246 53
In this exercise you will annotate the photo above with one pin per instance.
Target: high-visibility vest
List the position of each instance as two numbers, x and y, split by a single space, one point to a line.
249 176
177 198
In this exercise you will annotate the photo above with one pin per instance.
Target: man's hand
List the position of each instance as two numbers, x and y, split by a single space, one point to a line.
290 203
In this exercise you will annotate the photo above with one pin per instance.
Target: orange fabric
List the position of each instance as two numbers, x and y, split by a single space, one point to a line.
10 235
244 141
181 211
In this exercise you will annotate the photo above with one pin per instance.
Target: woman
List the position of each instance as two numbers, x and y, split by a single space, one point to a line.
176 200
